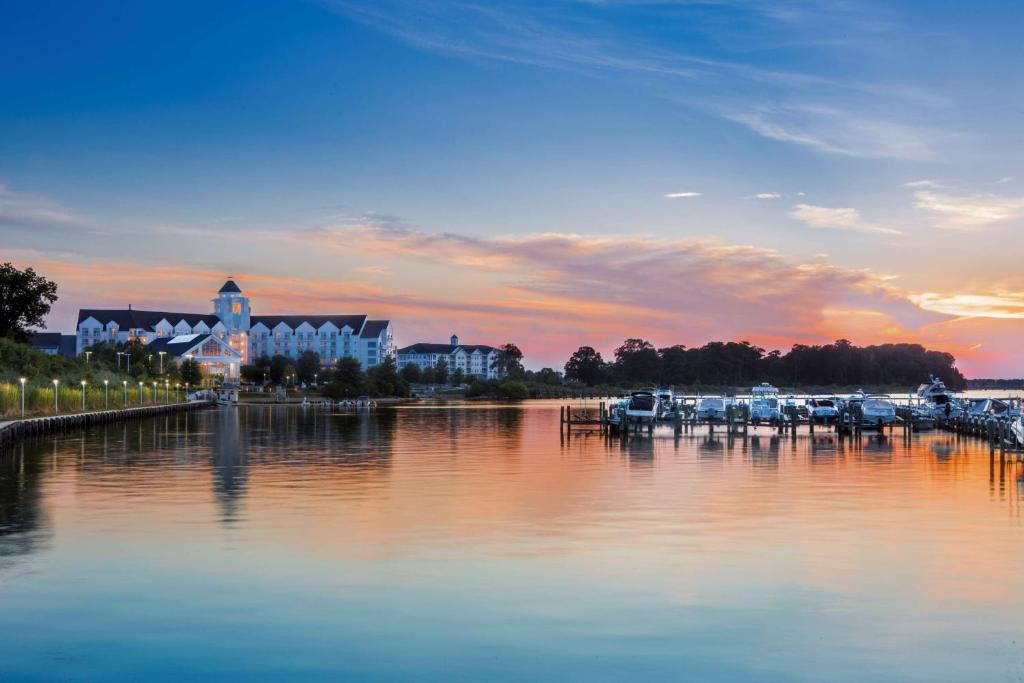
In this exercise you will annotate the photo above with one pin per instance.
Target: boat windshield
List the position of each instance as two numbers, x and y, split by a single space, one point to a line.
642 402
824 403
711 403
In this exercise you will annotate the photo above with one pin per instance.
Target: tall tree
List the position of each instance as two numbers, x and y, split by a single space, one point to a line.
585 366
441 371
637 361
412 373
191 372
509 362
307 365
348 381
25 299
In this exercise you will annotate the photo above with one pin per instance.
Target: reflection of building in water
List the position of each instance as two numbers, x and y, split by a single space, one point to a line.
230 463
21 517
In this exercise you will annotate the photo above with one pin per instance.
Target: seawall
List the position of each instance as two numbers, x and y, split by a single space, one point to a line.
15 430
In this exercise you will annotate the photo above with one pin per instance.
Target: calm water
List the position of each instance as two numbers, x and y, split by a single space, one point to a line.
470 543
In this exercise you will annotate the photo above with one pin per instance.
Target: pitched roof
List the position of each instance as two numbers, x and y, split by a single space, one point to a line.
373 328
426 347
45 340
180 345
132 319
317 321
231 287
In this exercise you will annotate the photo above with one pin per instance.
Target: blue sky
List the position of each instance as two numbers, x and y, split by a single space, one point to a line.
855 136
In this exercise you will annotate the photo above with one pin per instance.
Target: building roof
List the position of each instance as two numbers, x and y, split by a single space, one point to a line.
425 347
68 345
132 319
230 287
182 344
45 340
373 328
317 321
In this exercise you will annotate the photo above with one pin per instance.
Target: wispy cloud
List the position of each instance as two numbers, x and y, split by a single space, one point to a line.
19 211
832 115
922 184
767 195
681 195
837 218
1004 305
974 212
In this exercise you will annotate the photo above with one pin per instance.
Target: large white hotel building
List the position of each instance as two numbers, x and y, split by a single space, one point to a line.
246 336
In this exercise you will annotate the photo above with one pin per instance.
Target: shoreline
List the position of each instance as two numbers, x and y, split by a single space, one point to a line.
12 431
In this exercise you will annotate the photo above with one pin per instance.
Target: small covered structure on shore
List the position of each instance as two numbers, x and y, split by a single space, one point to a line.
215 356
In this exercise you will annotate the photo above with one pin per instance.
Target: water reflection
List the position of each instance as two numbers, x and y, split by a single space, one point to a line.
472 542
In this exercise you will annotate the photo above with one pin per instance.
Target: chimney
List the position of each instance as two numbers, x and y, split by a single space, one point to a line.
455 340
129 307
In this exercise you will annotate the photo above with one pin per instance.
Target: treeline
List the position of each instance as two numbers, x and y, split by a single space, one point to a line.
995 384
739 364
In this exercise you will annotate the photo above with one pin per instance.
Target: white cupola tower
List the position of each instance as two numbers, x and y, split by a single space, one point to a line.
232 307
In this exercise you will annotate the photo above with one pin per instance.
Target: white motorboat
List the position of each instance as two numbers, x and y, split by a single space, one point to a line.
823 410
712 408
1017 429
666 401
939 400
764 403
878 410
642 406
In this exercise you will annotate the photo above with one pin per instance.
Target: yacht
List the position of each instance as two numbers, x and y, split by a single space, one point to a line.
712 408
642 406
1017 429
823 410
666 401
878 410
764 403
938 399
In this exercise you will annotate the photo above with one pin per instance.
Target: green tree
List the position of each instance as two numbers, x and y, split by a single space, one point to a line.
513 390
191 372
441 371
278 368
457 378
25 299
307 366
637 361
384 380
412 374
251 373
348 381
509 362
429 376
585 366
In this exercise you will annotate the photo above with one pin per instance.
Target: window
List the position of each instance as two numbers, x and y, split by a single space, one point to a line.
236 308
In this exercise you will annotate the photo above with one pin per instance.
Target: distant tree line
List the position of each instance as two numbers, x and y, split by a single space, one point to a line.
995 384
638 362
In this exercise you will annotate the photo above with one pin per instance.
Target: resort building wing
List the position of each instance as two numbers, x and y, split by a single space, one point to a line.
214 355
332 337
477 360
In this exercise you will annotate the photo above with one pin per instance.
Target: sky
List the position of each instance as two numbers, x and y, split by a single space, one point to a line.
552 173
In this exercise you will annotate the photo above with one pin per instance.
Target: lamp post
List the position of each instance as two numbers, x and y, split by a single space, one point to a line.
83 395
162 361
140 394
124 383
177 394
56 406
167 390
87 354
315 375
119 354
22 380
106 394
153 397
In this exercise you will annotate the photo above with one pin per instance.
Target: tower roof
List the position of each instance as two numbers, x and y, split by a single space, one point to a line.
231 287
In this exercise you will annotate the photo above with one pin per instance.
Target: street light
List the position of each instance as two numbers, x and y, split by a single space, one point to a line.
106 394
153 397
177 394
119 354
162 362
167 389
140 394
124 383
22 380
87 354
56 406
83 395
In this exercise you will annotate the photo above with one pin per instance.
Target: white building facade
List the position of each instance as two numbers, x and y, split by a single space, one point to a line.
477 360
331 336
